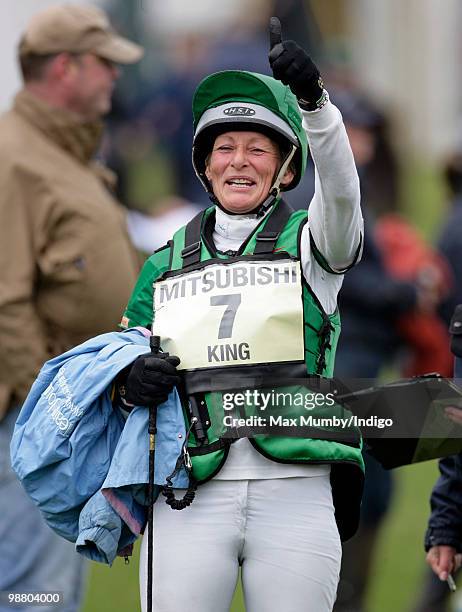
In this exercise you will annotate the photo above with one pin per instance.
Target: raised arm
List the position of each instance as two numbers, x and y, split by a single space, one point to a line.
335 220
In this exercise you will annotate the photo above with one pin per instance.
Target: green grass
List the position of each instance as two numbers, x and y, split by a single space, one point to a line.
400 559
398 566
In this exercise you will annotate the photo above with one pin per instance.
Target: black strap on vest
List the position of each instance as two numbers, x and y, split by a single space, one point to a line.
237 377
220 444
191 253
267 238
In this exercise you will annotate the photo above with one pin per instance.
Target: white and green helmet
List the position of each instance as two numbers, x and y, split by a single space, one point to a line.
239 100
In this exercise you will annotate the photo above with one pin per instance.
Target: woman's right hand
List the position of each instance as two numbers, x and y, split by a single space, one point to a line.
294 67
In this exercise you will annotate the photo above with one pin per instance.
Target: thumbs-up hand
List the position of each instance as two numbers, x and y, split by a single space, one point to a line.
294 67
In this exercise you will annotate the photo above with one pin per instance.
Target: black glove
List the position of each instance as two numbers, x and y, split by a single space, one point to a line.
149 380
294 67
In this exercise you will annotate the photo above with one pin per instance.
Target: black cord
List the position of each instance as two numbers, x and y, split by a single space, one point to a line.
183 460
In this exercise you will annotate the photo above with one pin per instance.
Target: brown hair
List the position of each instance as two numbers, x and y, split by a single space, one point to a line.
33 66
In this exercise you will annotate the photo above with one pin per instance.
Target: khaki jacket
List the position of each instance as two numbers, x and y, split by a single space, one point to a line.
67 266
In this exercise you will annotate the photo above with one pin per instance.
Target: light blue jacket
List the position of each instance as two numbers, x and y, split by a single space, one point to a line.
81 461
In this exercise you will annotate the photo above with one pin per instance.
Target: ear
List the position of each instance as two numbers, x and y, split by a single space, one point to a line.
207 172
63 65
288 177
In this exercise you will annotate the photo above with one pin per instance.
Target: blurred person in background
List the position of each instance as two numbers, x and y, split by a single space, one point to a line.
373 301
443 538
450 239
66 263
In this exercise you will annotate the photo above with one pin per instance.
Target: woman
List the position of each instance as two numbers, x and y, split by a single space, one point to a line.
227 301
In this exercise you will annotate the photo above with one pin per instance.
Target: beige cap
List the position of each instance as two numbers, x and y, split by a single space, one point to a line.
77 29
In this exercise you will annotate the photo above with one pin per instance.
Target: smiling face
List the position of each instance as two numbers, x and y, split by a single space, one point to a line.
241 170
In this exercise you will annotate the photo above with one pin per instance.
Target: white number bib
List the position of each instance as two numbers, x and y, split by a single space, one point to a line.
240 313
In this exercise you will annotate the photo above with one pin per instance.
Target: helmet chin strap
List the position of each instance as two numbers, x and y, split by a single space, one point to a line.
273 194
276 186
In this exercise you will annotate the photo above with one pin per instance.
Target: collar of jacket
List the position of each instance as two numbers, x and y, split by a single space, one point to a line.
78 138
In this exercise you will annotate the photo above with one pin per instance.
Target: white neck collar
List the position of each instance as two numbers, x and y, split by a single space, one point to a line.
235 227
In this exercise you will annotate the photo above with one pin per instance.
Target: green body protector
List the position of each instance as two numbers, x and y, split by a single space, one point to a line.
209 384
203 304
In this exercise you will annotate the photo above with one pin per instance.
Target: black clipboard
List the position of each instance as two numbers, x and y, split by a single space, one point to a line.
420 430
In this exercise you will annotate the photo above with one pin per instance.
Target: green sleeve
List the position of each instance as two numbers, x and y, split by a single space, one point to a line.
139 311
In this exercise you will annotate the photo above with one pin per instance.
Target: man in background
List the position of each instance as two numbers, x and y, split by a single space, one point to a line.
66 263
